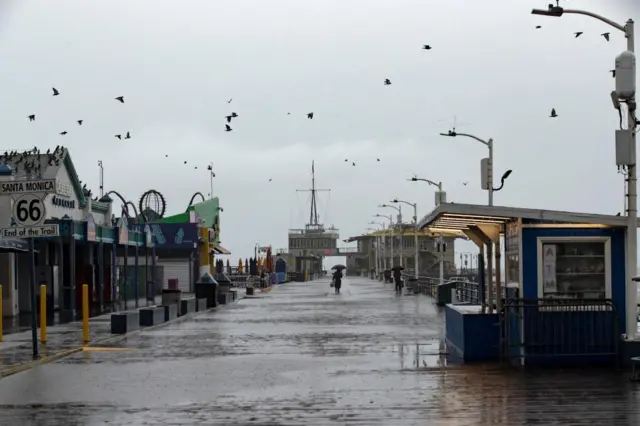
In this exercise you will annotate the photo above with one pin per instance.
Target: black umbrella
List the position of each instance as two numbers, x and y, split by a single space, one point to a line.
338 267
398 268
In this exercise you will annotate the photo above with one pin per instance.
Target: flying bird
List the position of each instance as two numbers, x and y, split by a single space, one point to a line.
234 115
119 137
426 47
613 73
378 159
465 183
228 128
606 36
353 164
553 113
55 91
229 101
166 156
63 133
229 118
270 180
387 82
310 116
538 27
185 162
32 117
128 136
80 122
578 34
346 159
120 98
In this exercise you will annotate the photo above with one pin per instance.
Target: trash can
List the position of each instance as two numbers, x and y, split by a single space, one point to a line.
412 285
207 288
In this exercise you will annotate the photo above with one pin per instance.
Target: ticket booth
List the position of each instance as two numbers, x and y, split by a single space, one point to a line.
562 299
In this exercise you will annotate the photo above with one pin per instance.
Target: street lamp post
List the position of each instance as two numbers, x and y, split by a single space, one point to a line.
399 209
415 234
440 195
632 189
390 217
379 247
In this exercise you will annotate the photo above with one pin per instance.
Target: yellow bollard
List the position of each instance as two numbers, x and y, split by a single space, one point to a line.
1 325
43 314
85 313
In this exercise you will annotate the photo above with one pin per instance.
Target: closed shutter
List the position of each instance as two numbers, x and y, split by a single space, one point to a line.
176 268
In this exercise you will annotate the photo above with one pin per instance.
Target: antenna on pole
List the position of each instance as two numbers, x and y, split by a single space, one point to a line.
313 211
101 178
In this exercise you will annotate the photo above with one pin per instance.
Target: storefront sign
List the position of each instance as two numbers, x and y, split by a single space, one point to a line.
91 228
172 235
61 202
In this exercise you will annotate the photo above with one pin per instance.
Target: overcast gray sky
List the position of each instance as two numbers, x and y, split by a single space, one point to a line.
178 62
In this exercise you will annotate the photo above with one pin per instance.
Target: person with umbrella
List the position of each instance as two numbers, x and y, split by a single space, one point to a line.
397 277
337 277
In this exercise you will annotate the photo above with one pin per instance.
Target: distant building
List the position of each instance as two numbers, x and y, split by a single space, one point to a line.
364 260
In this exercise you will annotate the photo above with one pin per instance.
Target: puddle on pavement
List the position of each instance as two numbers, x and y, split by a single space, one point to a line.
104 349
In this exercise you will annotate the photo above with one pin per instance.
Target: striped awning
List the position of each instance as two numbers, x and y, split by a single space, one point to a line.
220 250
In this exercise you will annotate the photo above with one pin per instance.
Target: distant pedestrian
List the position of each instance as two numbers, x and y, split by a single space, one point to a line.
397 277
337 280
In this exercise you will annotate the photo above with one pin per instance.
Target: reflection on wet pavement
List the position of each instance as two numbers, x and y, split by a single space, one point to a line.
302 355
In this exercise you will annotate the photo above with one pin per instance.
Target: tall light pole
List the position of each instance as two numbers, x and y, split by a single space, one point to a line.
401 234
379 246
390 217
486 164
628 77
375 244
441 196
415 234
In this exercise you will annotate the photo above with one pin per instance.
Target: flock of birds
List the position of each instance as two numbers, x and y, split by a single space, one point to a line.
234 115
56 92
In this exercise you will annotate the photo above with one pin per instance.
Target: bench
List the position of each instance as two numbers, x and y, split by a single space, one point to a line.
201 304
124 322
187 306
153 315
170 311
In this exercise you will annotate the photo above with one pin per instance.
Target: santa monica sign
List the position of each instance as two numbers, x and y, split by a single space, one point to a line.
28 187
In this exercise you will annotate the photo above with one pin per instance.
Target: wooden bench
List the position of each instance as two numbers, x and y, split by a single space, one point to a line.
150 316
124 322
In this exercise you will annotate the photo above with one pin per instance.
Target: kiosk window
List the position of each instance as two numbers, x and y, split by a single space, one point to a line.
574 270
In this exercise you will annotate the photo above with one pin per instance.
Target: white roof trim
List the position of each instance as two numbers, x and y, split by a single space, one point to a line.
501 214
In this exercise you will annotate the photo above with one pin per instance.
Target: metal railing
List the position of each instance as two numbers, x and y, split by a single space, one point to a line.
578 329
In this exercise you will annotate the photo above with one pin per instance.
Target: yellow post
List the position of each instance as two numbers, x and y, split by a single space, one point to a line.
1 325
43 314
85 313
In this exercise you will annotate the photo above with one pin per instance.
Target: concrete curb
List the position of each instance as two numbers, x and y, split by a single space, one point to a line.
9 371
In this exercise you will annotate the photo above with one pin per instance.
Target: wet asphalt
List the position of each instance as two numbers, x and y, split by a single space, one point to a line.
301 355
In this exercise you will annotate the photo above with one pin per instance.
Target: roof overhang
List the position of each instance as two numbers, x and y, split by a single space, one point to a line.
220 250
450 216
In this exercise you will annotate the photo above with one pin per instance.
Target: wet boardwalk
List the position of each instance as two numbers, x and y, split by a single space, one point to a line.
301 355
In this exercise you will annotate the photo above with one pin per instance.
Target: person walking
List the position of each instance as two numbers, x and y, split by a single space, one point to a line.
397 277
337 281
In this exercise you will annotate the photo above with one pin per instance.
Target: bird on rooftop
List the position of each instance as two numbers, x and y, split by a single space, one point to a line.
553 113
606 36
55 91
120 98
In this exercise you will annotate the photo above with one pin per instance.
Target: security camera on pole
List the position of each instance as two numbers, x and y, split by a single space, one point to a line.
625 92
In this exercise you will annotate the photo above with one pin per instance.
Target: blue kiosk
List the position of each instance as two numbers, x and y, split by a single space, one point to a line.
564 298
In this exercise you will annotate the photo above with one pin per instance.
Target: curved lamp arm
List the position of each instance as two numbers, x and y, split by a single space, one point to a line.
194 197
